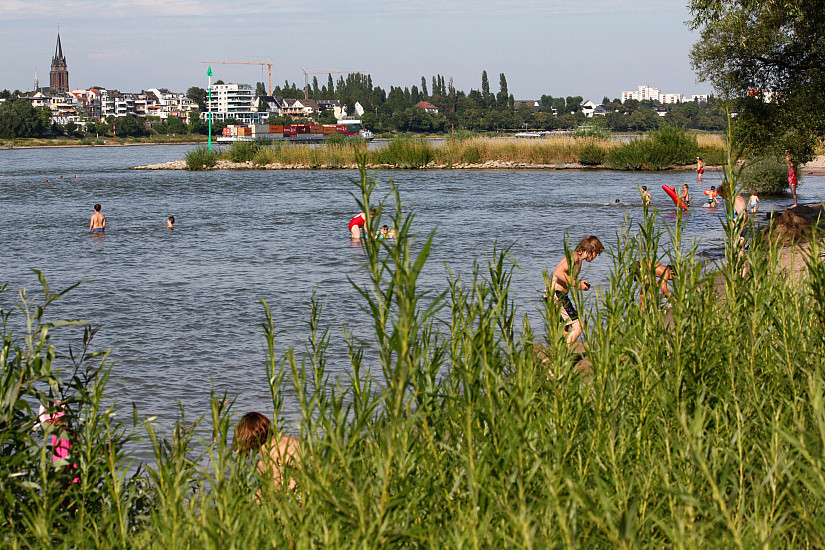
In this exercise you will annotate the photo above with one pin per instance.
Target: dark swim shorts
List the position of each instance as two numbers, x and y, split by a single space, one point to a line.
568 310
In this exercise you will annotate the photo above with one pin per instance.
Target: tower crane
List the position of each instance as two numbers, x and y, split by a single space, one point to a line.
268 64
307 73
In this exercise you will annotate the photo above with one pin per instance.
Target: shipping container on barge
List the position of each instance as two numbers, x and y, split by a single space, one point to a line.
300 133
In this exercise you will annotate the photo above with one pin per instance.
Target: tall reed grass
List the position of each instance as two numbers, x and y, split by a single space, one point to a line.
655 153
694 426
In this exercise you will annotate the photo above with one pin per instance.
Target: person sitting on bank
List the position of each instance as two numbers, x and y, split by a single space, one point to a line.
277 452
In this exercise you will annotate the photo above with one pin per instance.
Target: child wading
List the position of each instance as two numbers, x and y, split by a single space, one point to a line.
564 277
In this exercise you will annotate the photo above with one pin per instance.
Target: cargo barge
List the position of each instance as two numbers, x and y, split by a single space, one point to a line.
301 133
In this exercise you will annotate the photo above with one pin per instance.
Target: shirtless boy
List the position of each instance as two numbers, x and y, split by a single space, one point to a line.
700 168
564 277
663 273
98 222
646 196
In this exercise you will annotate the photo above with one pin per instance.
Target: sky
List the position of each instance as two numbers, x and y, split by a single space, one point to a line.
593 49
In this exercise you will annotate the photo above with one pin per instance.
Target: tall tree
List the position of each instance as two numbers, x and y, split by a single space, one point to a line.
424 88
503 94
768 58
485 87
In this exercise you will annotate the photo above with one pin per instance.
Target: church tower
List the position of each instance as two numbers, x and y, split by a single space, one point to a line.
59 75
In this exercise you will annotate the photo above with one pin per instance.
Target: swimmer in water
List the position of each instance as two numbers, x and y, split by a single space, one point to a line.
357 222
98 221
712 197
685 196
170 222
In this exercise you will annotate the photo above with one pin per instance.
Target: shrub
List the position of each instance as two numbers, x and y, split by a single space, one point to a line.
243 151
659 150
201 157
767 175
591 154
405 153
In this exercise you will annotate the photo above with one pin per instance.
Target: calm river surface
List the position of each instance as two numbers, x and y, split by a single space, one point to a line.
180 309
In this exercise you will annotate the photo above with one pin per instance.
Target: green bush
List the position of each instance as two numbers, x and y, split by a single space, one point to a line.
405 153
201 157
660 150
766 175
472 155
591 154
244 151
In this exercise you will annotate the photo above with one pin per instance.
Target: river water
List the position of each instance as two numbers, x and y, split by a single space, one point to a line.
179 309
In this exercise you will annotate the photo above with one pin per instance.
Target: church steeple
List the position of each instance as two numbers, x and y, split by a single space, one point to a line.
59 75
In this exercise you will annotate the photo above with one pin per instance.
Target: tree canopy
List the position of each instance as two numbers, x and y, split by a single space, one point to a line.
768 57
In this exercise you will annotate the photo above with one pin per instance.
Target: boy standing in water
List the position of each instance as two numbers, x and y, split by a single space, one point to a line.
646 196
98 221
712 194
564 276
700 168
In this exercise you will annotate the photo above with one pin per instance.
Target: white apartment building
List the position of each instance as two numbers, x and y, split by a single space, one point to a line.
116 104
649 93
234 101
672 98
644 93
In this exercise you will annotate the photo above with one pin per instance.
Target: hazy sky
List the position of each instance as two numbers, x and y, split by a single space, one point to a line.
594 48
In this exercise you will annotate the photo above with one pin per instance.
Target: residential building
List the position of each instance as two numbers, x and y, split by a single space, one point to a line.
235 101
164 103
428 107
644 93
534 104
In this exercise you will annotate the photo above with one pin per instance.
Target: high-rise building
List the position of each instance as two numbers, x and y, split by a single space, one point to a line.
59 75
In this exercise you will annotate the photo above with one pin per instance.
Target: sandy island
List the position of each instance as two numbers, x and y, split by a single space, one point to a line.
814 168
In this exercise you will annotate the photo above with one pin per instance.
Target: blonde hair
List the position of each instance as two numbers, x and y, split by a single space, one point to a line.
253 432
590 244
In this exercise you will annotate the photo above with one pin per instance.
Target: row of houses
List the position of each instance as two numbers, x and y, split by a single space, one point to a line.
235 101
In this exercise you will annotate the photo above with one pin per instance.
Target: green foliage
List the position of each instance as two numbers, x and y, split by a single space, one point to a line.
41 504
19 119
201 157
767 175
405 153
661 150
776 47
243 151
591 154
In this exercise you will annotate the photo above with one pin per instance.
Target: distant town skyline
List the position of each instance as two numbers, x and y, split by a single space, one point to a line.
543 47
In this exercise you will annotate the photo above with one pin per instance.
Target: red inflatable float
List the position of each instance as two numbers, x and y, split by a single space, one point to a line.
671 192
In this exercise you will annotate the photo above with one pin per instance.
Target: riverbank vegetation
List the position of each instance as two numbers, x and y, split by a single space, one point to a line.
459 424
661 150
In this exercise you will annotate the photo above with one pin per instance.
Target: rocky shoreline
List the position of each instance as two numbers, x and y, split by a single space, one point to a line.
814 168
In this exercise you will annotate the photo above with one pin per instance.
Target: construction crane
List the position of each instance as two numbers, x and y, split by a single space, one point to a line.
307 73
268 64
